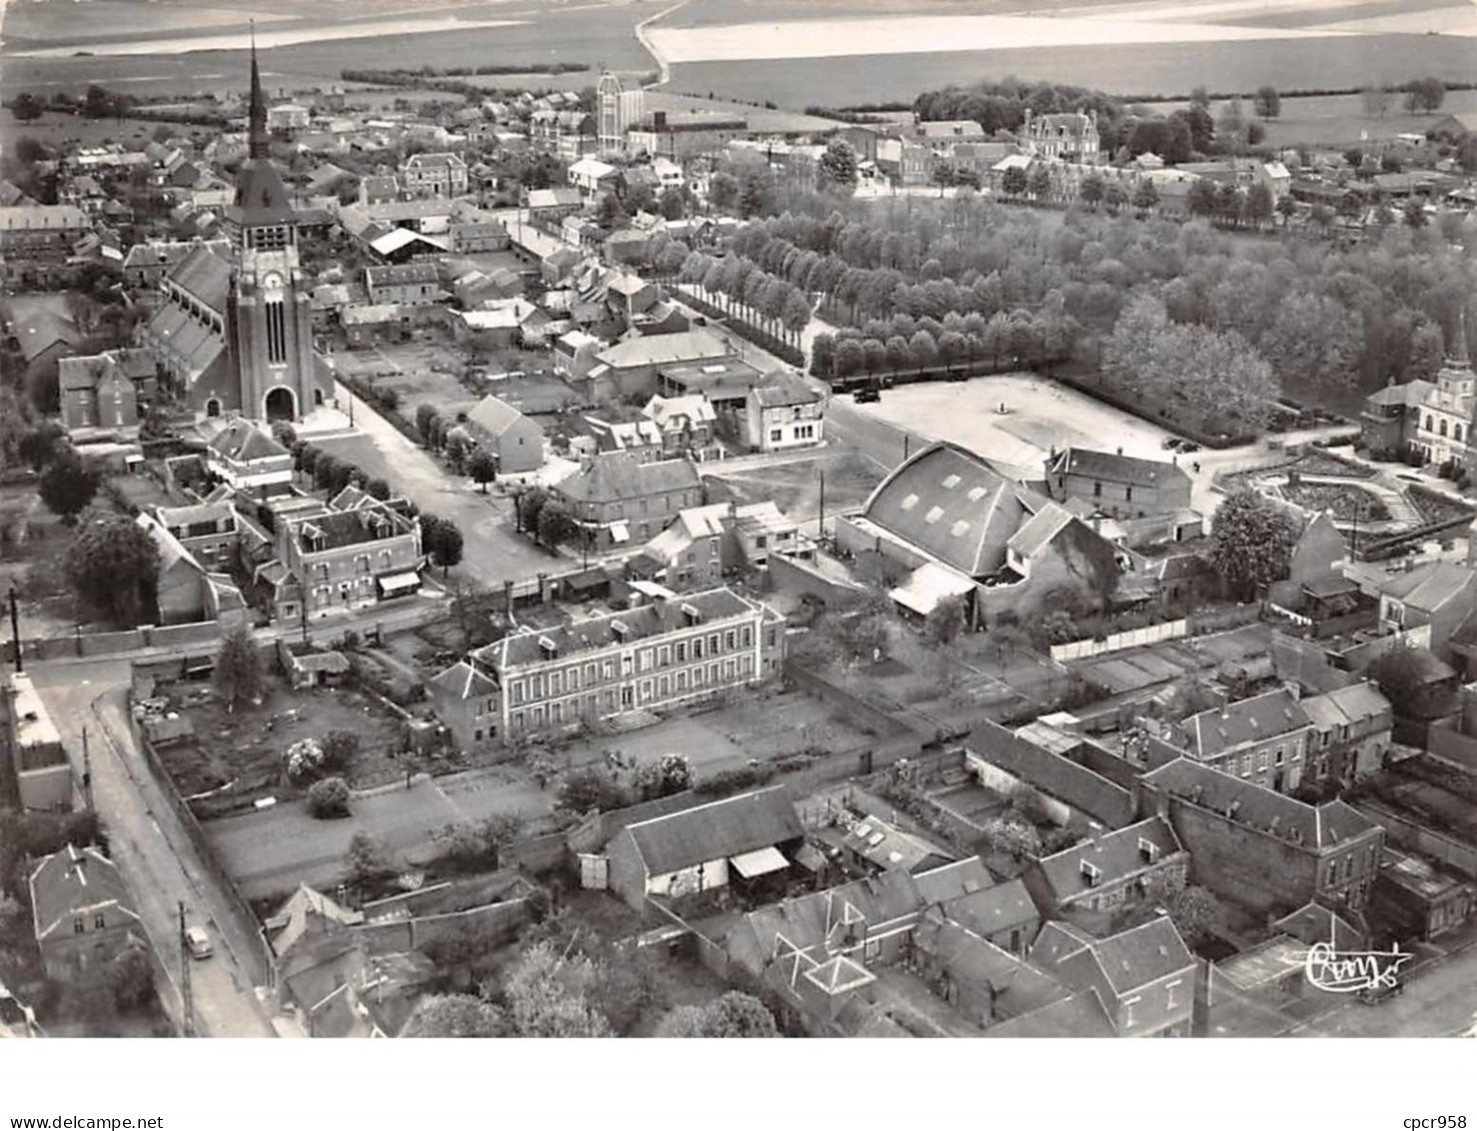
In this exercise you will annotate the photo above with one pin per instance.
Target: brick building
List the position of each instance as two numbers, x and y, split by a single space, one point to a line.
1119 485
345 559
82 912
617 499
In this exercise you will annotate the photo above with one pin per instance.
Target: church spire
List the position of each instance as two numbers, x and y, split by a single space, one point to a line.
258 116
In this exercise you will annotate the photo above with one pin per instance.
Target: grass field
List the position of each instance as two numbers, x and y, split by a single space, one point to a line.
1343 62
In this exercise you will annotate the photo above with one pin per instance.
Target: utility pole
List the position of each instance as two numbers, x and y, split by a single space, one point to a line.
821 530
86 770
187 993
15 631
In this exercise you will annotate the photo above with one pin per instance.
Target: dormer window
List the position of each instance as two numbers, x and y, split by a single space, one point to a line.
690 616
1090 873
620 630
1148 851
549 649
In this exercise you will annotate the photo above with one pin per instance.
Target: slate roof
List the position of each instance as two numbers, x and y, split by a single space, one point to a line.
665 349
1428 587
1256 807
205 275
617 476
716 830
1248 721
348 528
261 198
1142 955
1080 1015
954 880
1019 987
1115 855
75 881
783 390
952 504
241 442
1346 706
1002 908
599 632
1040 530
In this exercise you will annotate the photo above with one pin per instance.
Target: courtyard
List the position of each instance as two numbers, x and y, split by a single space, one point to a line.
1039 415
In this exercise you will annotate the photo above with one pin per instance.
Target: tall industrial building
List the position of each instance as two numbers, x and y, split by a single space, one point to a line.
617 110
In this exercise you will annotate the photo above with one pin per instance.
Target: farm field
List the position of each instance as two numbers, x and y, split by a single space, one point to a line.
1130 69
594 34
758 117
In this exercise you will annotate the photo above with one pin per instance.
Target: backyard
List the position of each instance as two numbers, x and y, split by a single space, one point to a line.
241 752
795 487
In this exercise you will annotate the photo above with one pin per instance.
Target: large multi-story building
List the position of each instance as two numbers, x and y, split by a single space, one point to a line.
345 559
617 110
1067 137
669 653
1263 739
616 499
38 758
233 333
82 912
434 174
1432 419
1115 484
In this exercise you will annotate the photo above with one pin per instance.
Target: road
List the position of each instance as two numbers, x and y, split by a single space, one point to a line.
1439 1000
151 848
492 553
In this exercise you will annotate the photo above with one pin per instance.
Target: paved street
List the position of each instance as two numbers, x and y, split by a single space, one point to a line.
151 848
492 552
1440 1000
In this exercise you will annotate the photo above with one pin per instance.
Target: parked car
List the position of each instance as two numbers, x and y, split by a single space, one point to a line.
198 942
1373 995
868 395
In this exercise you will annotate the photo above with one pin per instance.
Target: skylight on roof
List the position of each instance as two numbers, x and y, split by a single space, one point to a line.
910 502
950 482
958 529
976 494
934 514
715 369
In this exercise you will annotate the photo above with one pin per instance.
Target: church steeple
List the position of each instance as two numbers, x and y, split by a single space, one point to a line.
258 147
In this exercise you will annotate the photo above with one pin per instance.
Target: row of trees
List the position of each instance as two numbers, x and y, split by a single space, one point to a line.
781 307
1378 309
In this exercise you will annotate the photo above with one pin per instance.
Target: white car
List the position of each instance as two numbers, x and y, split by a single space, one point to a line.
198 942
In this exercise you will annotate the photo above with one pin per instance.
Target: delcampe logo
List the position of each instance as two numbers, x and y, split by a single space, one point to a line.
1350 971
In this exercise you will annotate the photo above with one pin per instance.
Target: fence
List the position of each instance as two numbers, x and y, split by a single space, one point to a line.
1117 641
258 957
1455 750
854 708
534 854
111 643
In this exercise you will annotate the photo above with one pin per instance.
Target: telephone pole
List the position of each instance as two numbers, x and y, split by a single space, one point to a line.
187 993
821 526
15 631
86 770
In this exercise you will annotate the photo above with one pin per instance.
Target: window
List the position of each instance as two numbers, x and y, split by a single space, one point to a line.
1245 765
697 647
518 691
748 637
590 673
78 925
1128 494
646 690
1263 759
1128 1004
681 647
556 683
1169 1002
730 640
775 435
664 686
607 669
1278 759
713 644
663 656
1097 490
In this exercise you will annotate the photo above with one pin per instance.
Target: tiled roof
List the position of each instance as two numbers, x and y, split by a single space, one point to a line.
1251 720
205 275
1142 955
1114 468
784 390
241 442
1429 587
494 415
1346 706
1040 530
1080 1015
952 504
666 349
463 681
1053 774
716 830
348 528
1018 987
1004 907
617 476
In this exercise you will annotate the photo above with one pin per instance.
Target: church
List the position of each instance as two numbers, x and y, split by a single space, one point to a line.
1431 419
233 333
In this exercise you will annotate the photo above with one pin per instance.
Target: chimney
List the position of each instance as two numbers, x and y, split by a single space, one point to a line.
1293 688
1225 705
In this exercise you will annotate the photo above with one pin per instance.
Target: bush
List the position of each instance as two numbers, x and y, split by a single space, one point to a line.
734 781
339 749
304 760
329 798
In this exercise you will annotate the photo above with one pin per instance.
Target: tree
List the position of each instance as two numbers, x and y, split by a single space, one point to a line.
456 1015
1268 103
1012 837
1251 542
441 539
1145 197
340 748
582 790
556 525
527 503
735 1014
26 107
1414 213
836 171
456 451
1038 181
548 994
424 415
1231 124
1201 198
1091 189
1194 910
367 860
130 977
329 798
945 622
482 467
111 567
39 445
378 488
1014 181
68 484
1425 96
1402 673
669 774
723 191
1376 100
237 676
1258 205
